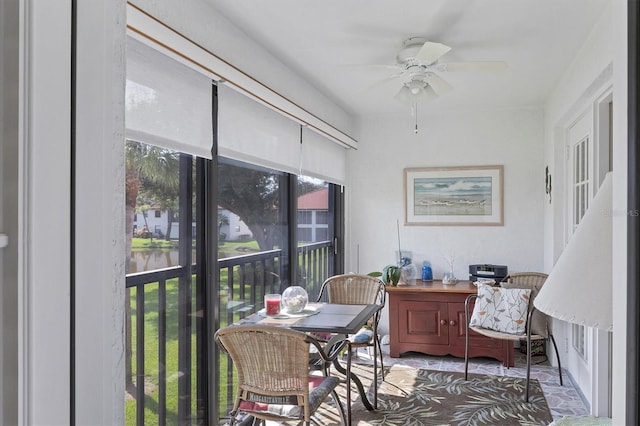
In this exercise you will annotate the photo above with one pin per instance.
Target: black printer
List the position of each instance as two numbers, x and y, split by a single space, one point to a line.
495 272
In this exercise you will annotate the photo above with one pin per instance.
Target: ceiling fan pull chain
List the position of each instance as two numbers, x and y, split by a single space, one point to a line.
416 110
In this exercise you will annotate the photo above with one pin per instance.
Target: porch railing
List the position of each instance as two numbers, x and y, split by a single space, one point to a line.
154 306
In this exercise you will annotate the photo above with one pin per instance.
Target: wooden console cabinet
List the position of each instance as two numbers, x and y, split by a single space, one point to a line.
428 317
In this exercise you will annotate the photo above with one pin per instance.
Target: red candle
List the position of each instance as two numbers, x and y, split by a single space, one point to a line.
273 306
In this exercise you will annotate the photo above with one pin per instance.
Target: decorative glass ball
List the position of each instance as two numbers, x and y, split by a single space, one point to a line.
294 299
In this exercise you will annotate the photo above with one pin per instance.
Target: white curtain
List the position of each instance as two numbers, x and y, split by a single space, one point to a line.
167 103
251 132
323 158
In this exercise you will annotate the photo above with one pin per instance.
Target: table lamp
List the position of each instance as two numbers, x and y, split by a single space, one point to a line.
579 287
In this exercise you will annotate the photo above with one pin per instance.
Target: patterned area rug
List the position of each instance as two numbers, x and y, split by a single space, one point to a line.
411 396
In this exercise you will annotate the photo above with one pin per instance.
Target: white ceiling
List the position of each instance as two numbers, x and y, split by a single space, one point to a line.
335 43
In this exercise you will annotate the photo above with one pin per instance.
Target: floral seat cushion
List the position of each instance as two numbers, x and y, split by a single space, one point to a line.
319 388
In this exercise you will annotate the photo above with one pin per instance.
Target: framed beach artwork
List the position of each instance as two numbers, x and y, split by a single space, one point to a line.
453 196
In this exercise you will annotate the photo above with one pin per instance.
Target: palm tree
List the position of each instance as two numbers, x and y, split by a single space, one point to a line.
153 170
223 220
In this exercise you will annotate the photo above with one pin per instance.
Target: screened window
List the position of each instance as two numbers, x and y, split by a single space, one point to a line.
304 217
162 329
322 217
223 236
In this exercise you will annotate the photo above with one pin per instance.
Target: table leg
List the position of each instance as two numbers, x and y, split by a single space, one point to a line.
348 376
356 380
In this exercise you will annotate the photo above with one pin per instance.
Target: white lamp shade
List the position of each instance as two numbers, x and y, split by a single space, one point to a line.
578 289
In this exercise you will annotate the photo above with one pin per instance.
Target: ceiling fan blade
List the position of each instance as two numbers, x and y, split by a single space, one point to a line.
431 52
384 66
439 85
472 66
406 97
384 81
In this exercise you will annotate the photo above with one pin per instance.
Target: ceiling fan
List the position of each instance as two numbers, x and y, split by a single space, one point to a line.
419 61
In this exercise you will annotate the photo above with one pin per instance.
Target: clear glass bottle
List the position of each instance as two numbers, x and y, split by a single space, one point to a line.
294 299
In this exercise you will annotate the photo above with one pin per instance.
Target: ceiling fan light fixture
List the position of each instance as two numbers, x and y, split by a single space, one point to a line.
415 86
423 93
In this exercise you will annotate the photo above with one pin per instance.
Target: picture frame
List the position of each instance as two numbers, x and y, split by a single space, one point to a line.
454 196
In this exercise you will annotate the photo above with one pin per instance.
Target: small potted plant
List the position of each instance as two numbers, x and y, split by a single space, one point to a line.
391 274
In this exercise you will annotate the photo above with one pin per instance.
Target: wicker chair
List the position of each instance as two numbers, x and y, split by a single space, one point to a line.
355 289
536 328
273 373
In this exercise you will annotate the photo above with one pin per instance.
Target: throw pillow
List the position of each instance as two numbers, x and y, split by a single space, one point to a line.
538 319
501 309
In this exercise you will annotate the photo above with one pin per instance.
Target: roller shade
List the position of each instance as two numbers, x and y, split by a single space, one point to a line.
251 132
322 158
167 103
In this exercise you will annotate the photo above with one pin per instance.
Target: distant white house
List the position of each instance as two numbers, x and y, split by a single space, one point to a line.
157 223
235 229
313 216
313 221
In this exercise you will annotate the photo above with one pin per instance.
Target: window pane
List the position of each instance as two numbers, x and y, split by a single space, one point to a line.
581 185
322 217
152 188
313 209
252 243
252 237
249 208
315 241
162 374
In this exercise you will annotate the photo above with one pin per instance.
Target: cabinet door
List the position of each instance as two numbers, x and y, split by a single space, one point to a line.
458 330
423 322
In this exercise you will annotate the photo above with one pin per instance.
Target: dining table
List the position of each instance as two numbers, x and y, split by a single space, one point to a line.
335 319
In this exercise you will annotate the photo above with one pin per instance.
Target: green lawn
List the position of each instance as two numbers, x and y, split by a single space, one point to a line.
150 352
152 243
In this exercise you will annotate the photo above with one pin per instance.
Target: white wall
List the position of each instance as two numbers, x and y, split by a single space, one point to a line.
510 137
99 263
588 77
620 157
581 83
45 263
51 257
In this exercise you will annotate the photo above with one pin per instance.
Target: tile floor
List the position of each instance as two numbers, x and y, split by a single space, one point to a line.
562 400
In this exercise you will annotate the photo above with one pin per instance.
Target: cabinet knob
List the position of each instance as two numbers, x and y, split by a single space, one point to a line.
443 322
452 322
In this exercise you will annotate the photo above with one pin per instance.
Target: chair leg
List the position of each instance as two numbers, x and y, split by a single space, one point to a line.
377 351
526 397
381 359
466 353
555 347
375 372
466 335
343 414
